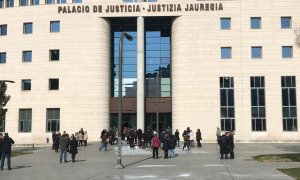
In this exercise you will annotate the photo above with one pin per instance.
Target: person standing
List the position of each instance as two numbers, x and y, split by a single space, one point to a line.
166 145
223 142
80 138
186 139
198 138
85 138
56 142
155 145
103 142
1 136
218 133
192 139
231 144
63 145
73 147
177 137
172 146
6 144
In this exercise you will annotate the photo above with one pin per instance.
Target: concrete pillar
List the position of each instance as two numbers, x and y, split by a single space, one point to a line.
140 73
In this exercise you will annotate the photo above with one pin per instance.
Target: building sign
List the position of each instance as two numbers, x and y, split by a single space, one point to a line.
139 8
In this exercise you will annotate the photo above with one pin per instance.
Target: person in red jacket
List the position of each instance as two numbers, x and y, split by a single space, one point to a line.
155 146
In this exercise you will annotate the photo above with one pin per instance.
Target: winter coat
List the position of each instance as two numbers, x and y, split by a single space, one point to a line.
166 145
155 142
6 143
73 146
198 135
177 135
63 143
223 142
172 143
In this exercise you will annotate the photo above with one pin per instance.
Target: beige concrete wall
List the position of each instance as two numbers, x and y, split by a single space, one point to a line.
197 66
84 66
83 71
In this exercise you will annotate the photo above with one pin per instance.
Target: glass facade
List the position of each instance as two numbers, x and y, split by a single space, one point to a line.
289 103
227 103
258 106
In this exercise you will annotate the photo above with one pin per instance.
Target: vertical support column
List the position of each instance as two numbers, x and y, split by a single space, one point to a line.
140 73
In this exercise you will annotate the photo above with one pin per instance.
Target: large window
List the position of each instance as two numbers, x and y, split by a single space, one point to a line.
225 52
227 103
286 22
2 57
54 55
27 56
26 84
27 28
3 30
256 52
287 51
9 3
1 4
24 2
25 118
225 23
35 2
53 119
289 103
53 84
255 22
55 26
258 107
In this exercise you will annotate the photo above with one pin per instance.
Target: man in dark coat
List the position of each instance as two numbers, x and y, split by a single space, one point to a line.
1 136
231 144
223 142
6 143
166 145
73 147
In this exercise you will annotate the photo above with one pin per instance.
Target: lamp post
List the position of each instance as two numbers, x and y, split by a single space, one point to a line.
119 160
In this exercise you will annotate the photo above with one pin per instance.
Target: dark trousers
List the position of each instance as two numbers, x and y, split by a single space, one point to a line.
155 152
56 147
7 155
73 157
177 140
85 142
186 144
166 154
231 152
199 143
80 142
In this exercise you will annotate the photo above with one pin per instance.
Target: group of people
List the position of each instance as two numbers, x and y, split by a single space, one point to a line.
69 144
226 143
5 149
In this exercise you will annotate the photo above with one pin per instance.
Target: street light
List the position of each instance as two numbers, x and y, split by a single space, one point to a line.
129 38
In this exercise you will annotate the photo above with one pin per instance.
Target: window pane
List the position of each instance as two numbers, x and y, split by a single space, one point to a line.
54 84
255 22
285 22
27 28
254 97
26 84
293 112
225 23
230 97
262 112
3 30
286 112
292 97
256 52
261 97
54 55
285 97
254 111
54 26
226 52
27 56
224 112
287 51
231 112
2 58
223 97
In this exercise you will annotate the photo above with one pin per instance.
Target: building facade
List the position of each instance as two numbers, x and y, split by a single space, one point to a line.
203 64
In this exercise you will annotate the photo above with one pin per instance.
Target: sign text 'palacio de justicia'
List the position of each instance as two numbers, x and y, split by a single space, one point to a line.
137 8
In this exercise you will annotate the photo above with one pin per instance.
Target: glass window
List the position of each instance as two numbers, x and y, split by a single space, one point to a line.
24 2
286 22
27 56
225 52
54 55
9 3
289 103
255 22
256 52
53 119
287 51
258 113
35 2
2 57
55 26
26 84
53 84
1 4
25 118
3 30
50 1
27 28
225 23
77 1
61 1
227 104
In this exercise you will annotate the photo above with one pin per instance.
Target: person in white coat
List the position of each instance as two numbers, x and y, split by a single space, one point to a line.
192 138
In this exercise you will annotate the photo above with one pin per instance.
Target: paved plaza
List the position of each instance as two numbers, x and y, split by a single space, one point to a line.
200 163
